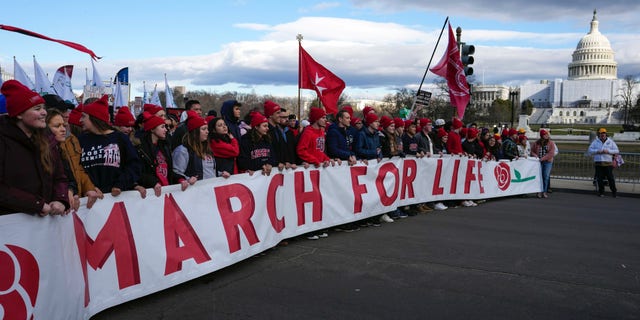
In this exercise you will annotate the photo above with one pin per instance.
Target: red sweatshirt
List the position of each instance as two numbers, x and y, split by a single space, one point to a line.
311 146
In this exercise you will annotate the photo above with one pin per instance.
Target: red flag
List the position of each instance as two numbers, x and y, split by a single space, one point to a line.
316 77
64 42
450 67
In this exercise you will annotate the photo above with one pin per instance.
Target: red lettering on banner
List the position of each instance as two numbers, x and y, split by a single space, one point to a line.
231 220
276 181
12 302
407 178
437 189
176 228
114 237
470 176
388 167
314 196
358 189
480 177
454 177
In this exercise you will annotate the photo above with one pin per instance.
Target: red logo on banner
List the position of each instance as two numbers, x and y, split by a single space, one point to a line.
19 282
503 175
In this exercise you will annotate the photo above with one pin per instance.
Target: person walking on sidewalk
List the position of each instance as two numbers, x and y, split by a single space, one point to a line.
602 149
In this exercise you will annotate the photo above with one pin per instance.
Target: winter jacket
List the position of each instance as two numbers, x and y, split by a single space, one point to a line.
72 152
340 142
311 146
24 185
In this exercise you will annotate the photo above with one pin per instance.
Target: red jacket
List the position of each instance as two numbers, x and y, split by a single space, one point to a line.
311 146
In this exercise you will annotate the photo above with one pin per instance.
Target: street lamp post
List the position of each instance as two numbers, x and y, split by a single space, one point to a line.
512 95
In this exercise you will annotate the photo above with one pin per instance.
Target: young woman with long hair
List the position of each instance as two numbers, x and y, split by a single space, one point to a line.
32 178
108 156
193 160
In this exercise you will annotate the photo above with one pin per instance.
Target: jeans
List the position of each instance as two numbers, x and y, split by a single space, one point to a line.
601 173
546 175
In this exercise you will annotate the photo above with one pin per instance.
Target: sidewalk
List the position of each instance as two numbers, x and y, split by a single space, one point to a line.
586 186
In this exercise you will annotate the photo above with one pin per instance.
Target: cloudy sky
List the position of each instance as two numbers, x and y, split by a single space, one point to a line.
376 46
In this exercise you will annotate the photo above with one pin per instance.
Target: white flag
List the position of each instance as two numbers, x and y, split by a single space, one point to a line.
118 97
21 76
168 93
43 85
62 84
97 81
155 97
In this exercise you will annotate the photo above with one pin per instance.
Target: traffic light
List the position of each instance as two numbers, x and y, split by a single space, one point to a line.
467 59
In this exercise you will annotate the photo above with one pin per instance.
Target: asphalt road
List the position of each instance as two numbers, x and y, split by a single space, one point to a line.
571 256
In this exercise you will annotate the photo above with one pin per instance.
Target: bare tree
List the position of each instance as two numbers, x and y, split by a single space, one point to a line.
627 95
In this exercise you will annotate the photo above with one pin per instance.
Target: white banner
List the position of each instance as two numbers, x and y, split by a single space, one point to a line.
126 247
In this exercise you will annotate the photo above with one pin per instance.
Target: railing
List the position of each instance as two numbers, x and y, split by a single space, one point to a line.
576 165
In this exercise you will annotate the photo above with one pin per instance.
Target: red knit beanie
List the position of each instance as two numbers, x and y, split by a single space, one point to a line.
124 118
151 121
194 121
19 98
315 114
442 132
270 108
355 120
472 133
513 131
456 123
424 122
385 122
349 110
75 115
99 109
258 119
366 110
398 122
151 108
370 118
408 123
543 132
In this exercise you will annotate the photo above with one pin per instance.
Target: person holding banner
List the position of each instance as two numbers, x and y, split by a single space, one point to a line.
368 148
224 145
108 156
256 150
193 160
32 178
155 153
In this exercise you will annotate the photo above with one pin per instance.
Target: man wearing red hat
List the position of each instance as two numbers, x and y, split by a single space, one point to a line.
311 146
425 137
284 146
28 183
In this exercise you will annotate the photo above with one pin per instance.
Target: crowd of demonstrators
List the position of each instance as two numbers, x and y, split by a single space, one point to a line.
36 183
101 158
603 149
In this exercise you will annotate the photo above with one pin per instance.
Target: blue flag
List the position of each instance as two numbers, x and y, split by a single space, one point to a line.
122 76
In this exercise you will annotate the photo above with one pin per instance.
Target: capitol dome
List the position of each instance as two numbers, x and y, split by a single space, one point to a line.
593 57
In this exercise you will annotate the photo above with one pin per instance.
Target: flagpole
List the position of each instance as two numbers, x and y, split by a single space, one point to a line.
299 38
413 104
